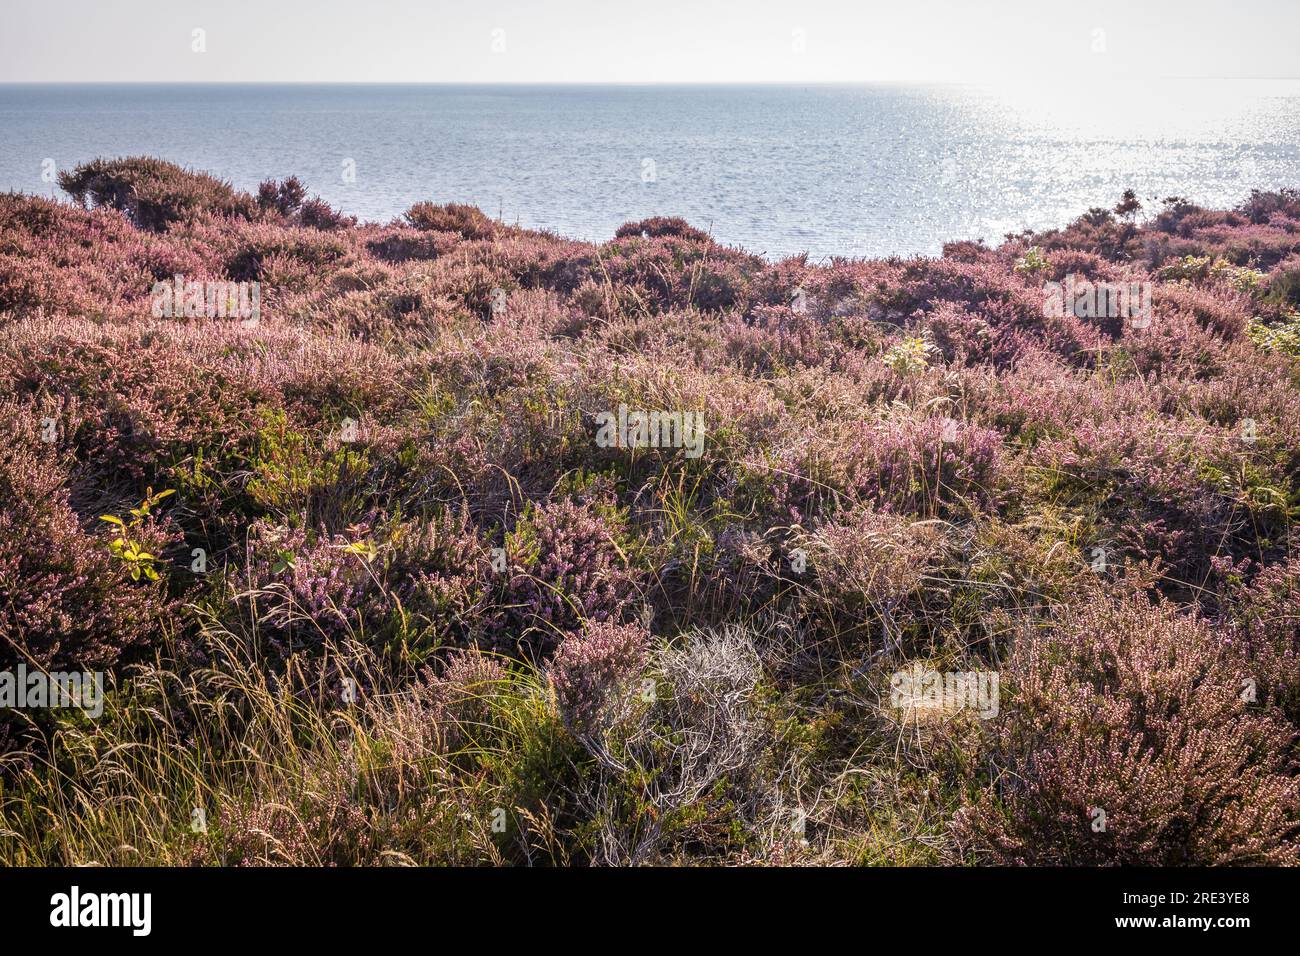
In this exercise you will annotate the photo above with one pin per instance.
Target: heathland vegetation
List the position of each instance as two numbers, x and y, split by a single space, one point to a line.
365 588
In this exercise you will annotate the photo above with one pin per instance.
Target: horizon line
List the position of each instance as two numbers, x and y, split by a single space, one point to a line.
667 83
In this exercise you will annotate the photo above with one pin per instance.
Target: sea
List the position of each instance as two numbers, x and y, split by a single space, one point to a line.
865 170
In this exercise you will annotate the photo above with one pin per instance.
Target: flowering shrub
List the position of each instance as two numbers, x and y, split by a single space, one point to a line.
457 705
1267 615
1125 738
566 568
441 569
306 589
926 466
592 674
68 603
400 457
285 197
318 214
668 271
398 245
262 245
957 335
428 576
328 829
1160 489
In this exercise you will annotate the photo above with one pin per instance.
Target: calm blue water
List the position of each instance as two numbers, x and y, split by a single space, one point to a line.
867 170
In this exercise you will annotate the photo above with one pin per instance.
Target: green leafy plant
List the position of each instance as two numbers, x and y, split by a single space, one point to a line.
1201 268
127 546
1281 337
364 549
909 355
1032 261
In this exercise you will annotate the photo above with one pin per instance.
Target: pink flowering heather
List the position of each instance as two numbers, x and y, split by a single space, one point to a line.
1267 615
947 452
1125 738
307 588
662 226
566 569
468 221
593 671
69 601
440 570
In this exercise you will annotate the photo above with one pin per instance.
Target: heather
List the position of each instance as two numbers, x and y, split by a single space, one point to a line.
369 587
1132 717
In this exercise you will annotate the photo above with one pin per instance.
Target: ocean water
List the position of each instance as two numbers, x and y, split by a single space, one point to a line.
828 170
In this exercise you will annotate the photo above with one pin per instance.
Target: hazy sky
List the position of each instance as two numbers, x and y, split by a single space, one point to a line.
1027 41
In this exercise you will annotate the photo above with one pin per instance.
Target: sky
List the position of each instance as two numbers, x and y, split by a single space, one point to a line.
1027 42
